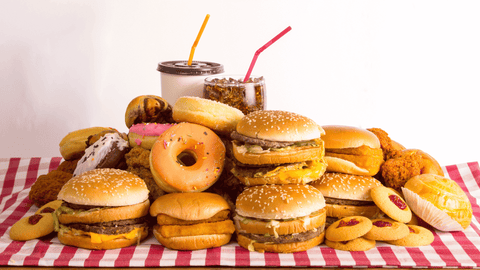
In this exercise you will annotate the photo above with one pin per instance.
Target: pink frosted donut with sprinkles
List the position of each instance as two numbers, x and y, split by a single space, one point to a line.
145 134
187 158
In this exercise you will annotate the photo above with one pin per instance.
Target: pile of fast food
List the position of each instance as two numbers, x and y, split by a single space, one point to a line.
199 173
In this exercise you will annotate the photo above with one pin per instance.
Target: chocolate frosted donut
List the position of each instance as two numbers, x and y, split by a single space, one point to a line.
107 152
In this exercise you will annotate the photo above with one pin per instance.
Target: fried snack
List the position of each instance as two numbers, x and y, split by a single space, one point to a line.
68 165
389 146
47 186
396 171
138 164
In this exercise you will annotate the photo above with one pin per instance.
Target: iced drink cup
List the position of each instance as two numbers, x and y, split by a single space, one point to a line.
246 96
179 79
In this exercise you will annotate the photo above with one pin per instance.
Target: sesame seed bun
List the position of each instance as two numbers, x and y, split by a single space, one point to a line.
348 195
104 187
279 126
346 186
280 218
279 201
103 209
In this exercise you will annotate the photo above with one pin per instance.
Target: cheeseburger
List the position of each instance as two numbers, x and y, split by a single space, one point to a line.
280 218
103 209
277 147
347 195
191 221
352 150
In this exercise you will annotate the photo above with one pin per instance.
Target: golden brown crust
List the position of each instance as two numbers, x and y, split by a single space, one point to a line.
212 114
83 241
251 245
348 228
189 206
163 219
192 242
445 194
219 227
22 230
107 214
341 211
393 231
418 236
391 203
362 161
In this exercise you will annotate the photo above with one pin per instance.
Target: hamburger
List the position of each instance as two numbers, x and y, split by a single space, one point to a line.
352 150
103 209
192 221
277 147
348 195
280 218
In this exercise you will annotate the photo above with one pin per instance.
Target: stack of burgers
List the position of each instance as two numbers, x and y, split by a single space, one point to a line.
275 154
354 156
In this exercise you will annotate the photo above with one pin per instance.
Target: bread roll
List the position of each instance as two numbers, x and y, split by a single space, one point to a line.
439 201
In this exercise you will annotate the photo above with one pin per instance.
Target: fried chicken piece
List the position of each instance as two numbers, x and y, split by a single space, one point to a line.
68 166
138 163
397 170
389 147
47 186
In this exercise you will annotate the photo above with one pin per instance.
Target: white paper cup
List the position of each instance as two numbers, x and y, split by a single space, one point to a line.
178 79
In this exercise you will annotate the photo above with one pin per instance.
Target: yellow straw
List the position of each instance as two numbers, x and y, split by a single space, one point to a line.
192 51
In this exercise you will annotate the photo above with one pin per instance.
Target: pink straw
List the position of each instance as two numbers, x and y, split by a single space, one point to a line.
249 72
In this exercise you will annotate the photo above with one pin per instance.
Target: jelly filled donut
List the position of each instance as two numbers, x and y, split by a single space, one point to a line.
146 134
187 158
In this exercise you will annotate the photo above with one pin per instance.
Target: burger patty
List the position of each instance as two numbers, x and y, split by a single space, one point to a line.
288 238
111 227
82 207
264 143
330 200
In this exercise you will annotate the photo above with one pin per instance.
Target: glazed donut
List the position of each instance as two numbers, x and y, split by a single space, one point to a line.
215 115
146 134
148 109
187 158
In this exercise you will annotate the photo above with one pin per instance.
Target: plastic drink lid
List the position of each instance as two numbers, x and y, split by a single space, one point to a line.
197 68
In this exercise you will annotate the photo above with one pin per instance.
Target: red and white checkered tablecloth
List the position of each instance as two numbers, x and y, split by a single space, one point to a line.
457 249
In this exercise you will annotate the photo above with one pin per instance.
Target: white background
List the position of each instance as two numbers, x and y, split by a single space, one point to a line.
411 68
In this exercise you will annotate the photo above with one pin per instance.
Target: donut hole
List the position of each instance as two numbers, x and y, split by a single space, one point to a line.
187 158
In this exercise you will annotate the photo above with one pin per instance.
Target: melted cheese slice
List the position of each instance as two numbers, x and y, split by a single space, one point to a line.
100 238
